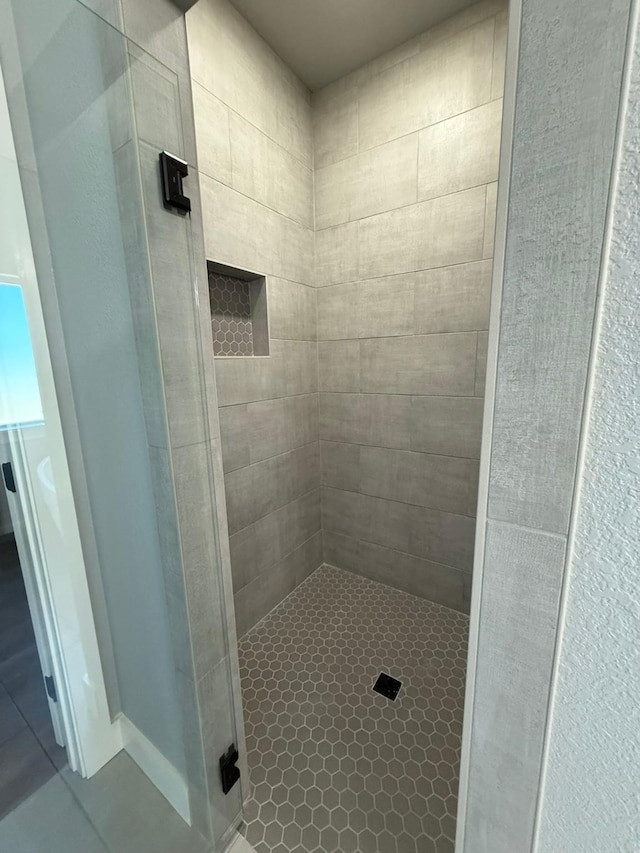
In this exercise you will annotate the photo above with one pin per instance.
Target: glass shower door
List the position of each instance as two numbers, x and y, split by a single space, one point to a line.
117 277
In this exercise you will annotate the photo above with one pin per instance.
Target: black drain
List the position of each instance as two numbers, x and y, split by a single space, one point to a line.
387 686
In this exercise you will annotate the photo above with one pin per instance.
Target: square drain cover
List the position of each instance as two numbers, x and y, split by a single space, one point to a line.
387 686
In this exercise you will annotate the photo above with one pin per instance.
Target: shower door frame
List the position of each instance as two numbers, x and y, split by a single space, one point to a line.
475 618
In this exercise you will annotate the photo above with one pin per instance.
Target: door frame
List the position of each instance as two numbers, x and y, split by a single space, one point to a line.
63 617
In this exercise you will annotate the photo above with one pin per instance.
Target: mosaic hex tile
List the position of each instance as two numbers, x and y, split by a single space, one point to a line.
231 323
335 767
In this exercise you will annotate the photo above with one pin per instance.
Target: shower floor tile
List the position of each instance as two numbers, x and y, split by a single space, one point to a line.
334 766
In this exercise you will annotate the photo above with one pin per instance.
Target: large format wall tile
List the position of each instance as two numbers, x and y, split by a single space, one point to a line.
376 180
292 310
442 537
336 254
445 79
427 364
340 465
383 420
396 241
259 489
268 173
442 584
445 426
440 482
453 299
461 152
403 256
256 173
340 419
490 220
337 312
212 134
335 125
450 426
290 369
499 53
481 363
386 306
400 261
229 59
339 366
245 234
256 548
262 594
252 432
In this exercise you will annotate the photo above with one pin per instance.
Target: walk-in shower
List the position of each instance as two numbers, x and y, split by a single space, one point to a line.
366 208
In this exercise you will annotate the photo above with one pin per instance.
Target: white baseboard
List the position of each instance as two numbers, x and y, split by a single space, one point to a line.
156 767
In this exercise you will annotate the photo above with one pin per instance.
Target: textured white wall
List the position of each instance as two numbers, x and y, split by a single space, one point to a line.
592 791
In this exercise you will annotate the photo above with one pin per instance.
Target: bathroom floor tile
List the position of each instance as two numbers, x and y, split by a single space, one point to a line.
333 765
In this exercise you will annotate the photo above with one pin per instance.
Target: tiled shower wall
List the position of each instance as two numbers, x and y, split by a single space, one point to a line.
406 159
406 164
254 136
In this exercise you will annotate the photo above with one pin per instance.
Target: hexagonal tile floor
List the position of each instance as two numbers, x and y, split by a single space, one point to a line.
334 766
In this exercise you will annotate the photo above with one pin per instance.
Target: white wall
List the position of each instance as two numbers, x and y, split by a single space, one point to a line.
592 773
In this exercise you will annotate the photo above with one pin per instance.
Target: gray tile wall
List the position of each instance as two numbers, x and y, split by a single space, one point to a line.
406 164
254 138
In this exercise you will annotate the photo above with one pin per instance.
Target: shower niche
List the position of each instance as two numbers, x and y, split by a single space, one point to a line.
239 314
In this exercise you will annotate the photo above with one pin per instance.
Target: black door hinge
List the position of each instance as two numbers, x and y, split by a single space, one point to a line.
172 171
229 773
50 684
9 479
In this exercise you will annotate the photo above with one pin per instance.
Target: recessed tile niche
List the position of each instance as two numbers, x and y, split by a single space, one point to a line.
238 302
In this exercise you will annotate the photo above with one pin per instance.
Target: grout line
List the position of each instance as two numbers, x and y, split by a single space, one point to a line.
493 53
255 126
447 566
416 130
475 372
250 198
270 400
403 396
297 548
396 394
408 335
395 501
398 450
402 272
279 509
306 444
406 206
418 201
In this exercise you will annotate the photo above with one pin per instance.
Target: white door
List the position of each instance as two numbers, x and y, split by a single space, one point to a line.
28 543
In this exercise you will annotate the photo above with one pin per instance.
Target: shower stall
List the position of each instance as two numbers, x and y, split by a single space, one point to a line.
272 410
349 240
315 346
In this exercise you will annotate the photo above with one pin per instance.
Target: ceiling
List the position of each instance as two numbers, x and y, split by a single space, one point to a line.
322 40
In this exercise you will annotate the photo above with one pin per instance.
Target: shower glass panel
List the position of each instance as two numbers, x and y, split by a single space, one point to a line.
79 157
